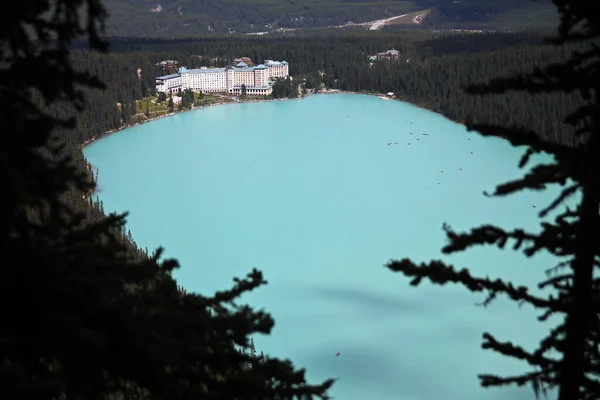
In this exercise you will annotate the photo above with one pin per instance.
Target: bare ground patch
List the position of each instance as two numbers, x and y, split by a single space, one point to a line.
409 19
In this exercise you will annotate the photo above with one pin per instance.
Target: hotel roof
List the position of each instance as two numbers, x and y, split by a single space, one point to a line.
200 70
171 76
272 63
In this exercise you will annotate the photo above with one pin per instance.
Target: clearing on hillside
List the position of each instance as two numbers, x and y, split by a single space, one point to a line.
410 19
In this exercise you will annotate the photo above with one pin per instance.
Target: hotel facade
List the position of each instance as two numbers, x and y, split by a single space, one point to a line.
257 79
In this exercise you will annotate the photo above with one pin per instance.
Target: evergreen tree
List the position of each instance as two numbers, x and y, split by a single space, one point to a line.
187 99
81 318
285 87
171 103
144 88
243 90
252 354
252 348
313 81
573 237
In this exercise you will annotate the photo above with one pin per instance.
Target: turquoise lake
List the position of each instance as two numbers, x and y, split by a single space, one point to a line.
310 192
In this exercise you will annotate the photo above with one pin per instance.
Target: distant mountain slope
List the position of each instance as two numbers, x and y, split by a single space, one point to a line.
185 17
176 17
491 14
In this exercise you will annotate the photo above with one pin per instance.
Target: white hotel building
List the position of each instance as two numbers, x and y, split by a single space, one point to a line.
228 80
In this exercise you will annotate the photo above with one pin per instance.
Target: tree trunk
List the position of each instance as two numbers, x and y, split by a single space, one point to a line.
581 308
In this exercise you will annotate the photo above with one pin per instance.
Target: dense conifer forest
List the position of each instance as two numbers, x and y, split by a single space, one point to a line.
431 72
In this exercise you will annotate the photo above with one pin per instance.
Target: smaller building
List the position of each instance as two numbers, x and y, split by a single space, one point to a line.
168 65
390 55
245 60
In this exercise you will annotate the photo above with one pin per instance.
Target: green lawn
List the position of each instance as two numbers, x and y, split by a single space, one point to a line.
152 105
155 109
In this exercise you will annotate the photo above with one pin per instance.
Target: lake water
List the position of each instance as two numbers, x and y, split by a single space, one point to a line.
310 192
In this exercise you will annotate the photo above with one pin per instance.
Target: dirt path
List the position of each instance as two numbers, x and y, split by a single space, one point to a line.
376 25
410 18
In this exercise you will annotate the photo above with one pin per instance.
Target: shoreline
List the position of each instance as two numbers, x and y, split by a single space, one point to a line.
397 98
258 100
125 127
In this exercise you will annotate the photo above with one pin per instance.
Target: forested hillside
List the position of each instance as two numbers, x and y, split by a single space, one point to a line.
145 18
101 114
490 15
432 70
184 17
